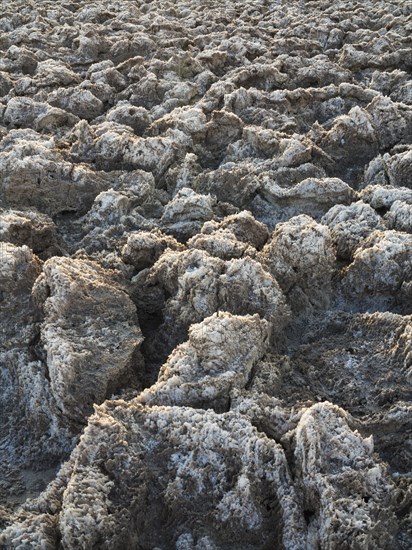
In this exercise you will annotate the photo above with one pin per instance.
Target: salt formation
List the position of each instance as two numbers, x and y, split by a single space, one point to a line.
85 314
197 373
205 275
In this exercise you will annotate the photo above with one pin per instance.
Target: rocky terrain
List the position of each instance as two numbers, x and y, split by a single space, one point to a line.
205 275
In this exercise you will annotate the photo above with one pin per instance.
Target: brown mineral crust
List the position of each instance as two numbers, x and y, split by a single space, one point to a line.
85 313
205 235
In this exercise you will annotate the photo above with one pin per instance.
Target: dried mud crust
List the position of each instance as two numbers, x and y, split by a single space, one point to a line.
205 275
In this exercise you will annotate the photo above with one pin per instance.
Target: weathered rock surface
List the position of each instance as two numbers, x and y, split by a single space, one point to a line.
35 174
300 255
349 225
85 315
31 229
19 270
165 448
205 234
326 473
34 436
381 266
186 287
217 358
143 249
311 196
235 236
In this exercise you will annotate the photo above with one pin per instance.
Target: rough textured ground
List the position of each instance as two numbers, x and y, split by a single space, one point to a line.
205 275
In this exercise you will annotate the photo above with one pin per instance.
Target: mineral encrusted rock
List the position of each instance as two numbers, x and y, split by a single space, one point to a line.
300 255
381 265
350 225
191 285
205 275
326 473
85 314
29 228
198 374
243 489
144 248
235 236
